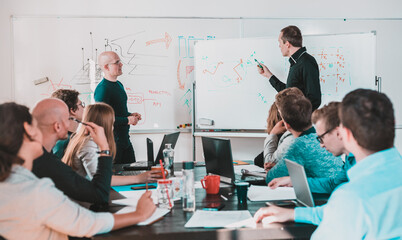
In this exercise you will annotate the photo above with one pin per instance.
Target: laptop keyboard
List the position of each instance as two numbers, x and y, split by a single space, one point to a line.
250 179
139 164
130 173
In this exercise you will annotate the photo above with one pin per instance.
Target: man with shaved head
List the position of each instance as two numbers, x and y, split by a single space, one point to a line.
52 115
75 109
111 91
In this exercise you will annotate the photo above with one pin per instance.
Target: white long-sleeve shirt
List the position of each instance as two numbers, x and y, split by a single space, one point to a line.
32 208
86 159
275 148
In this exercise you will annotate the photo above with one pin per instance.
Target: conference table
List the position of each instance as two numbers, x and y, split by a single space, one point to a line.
171 226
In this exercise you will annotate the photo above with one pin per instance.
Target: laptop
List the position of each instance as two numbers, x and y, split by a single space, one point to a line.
219 161
299 181
146 165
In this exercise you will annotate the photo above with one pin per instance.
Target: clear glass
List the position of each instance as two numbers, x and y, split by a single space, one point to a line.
168 158
165 194
188 199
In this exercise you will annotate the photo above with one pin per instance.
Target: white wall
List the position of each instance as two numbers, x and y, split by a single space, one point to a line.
175 8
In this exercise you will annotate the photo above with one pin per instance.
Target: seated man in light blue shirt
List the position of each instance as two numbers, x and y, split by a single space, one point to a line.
326 121
369 205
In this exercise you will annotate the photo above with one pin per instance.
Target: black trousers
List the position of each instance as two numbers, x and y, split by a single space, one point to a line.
259 160
124 154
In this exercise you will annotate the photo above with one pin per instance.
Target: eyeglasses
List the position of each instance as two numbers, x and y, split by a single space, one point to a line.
117 62
320 137
82 104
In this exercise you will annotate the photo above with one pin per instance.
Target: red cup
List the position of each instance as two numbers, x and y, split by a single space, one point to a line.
211 184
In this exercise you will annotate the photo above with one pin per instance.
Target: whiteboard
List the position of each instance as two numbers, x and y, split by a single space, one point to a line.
230 91
158 57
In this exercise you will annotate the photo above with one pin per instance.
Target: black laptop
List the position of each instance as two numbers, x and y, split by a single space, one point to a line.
219 161
151 161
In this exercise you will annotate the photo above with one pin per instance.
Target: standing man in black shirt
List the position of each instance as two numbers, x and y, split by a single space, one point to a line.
111 91
303 72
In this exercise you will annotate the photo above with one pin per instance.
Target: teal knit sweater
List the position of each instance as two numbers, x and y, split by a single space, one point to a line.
306 150
113 93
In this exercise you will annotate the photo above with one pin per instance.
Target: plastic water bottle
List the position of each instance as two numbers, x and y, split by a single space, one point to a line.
168 158
188 198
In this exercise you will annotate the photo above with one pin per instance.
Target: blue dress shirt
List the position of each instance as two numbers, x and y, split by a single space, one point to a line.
369 206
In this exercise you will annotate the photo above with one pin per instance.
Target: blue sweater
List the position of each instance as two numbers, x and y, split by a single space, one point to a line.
317 162
327 185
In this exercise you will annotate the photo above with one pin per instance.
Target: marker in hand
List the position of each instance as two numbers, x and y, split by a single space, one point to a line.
259 64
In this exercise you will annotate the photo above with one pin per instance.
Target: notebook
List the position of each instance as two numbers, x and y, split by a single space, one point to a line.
146 165
219 161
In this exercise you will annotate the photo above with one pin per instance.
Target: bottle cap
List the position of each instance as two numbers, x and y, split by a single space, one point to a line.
188 165
168 145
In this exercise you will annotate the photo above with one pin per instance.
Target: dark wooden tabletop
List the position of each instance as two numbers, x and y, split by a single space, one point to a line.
172 225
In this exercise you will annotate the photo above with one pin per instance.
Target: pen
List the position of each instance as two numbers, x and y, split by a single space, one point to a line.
78 121
259 64
224 198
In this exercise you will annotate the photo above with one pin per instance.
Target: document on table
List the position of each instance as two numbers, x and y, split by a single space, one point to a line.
220 219
250 168
133 196
265 193
158 214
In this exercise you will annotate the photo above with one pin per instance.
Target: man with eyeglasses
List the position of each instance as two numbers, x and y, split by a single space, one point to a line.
75 109
112 92
326 121
52 115
368 206
305 150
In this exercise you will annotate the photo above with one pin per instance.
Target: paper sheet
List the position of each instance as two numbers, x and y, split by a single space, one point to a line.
132 197
251 168
218 219
265 193
159 213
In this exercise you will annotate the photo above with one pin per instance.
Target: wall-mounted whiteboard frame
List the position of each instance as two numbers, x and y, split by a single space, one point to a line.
232 94
157 54
388 59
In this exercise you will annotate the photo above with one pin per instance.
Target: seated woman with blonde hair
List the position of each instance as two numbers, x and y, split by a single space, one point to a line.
33 208
278 140
82 152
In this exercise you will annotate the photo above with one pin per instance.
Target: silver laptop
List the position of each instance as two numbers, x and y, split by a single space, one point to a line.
300 184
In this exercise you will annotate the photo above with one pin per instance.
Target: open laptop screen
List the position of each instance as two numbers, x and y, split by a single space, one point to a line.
218 157
300 184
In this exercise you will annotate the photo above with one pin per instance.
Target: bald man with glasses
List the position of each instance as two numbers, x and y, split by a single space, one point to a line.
75 110
112 92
